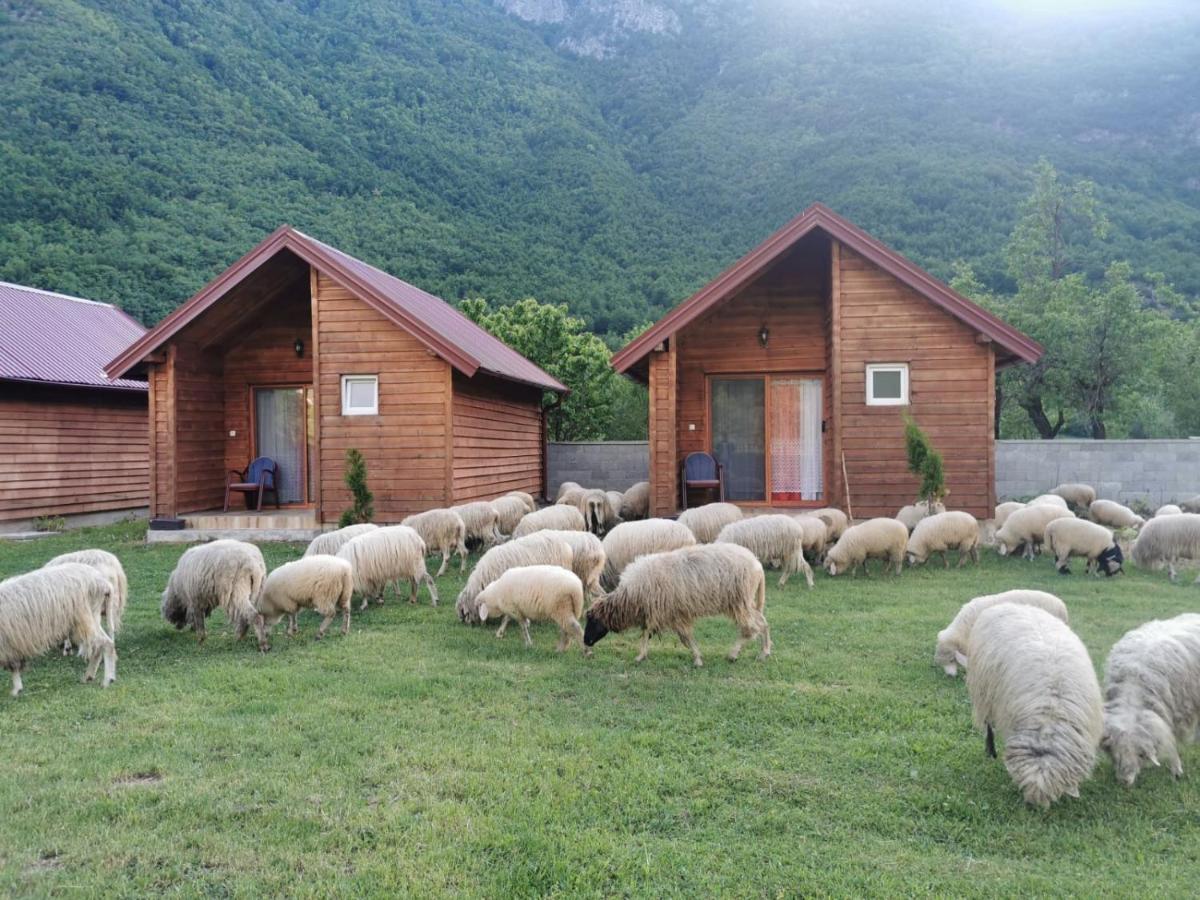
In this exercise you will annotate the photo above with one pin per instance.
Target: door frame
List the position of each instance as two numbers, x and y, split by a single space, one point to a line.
812 375
307 502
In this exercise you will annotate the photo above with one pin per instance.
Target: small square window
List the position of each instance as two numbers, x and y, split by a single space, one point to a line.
887 384
360 395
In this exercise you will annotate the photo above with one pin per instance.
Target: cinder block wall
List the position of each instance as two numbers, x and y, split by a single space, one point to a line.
611 465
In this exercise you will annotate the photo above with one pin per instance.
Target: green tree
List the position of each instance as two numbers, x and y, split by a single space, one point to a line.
363 508
924 461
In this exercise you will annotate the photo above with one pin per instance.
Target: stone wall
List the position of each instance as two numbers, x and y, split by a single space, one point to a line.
612 465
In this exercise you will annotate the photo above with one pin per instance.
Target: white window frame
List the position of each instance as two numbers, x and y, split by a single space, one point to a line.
872 368
347 409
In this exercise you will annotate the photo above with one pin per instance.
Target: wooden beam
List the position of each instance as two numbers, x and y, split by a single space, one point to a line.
449 402
318 462
835 367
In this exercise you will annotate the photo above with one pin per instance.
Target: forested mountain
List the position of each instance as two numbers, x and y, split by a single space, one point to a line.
609 154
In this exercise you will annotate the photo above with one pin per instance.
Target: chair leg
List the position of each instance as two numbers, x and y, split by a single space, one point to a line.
683 491
226 497
258 503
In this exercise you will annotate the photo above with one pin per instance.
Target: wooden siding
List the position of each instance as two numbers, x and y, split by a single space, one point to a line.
951 378
162 438
664 466
497 439
199 419
66 452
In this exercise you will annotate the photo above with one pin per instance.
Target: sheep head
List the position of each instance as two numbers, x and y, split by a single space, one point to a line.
1112 561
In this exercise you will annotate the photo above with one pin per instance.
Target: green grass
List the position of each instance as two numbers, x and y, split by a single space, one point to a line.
419 756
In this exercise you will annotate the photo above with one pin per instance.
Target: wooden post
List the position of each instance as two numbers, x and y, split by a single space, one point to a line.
835 366
449 436
171 501
314 299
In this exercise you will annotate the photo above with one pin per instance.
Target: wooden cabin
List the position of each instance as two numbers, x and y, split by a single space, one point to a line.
72 440
299 352
794 368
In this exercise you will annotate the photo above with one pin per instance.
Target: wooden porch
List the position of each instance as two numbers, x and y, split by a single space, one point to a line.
287 524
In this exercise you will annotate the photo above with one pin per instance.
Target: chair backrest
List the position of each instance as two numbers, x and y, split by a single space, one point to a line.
258 467
699 466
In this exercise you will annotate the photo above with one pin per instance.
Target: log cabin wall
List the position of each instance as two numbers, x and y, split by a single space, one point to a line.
950 389
67 452
198 420
162 438
664 459
497 438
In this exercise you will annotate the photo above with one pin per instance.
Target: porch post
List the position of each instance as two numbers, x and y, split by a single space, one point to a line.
316 378
663 452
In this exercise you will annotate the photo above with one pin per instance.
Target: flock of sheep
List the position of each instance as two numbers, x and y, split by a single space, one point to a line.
1029 677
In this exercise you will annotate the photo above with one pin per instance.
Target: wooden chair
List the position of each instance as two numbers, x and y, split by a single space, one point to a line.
258 478
701 470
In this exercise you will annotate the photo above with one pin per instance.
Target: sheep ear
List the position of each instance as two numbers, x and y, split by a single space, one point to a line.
960 659
483 612
1073 792
1154 759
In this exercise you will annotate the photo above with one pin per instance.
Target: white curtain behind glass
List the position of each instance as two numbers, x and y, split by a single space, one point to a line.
796 464
279 422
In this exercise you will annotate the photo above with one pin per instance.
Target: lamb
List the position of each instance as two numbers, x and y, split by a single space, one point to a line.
635 503
1079 496
1079 537
816 534
526 498
565 487
323 583
944 531
110 567
329 543
775 537
42 608
552 518
509 511
531 550
913 513
670 591
537 594
1169 541
587 556
1113 514
706 521
629 540
884 539
951 649
1152 695
835 520
444 531
481 522
1167 509
1026 528
388 554
222 574
1031 680
1004 510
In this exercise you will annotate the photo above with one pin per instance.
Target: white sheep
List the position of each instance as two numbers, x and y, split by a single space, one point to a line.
1080 496
1114 515
1152 695
537 594
509 511
320 582
670 591
772 537
706 521
1191 505
42 608
835 520
1026 528
587 557
635 503
551 518
566 487
1004 510
110 567
597 509
570 496
940 532
222 574
388 554
1030 680
881 538
629 540
329 543
443 531
526 498
1078 537
1049 500
481 522
1168 509
531 550
1170 541
616 501
951 650
913 513
816 535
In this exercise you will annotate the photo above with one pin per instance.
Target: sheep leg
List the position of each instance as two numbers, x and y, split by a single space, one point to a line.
445 562
263 630
293 625
1171 570
503 627
689 640
101 647
899 562
577 630
366 600
325 623
67 648
17 684
412 593
764 632
784 577
643 647
963 556
433 594
198 625
346 618
462 557
945 562
989 742
525 633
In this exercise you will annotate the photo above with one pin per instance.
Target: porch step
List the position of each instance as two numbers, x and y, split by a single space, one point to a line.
270 520
254 535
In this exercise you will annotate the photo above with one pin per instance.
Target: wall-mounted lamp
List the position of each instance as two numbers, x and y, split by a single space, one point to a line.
763 336
298 347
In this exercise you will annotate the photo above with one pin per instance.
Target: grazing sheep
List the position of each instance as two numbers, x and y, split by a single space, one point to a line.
537 594
616 501
1191 505
835 520
571 497
1026 528
538 549
565 488
481 522
1152 695
706 521
110 567
222 574
770 538
1169 541
1030 679
509 511
1079 537
884 539
913 513
944 531
323 583
526 498
329 543
42 608
587 557
1114 515
1080 496
552 518
629 540
816 534
1049 500
636 502
1004 510
1168 509
385 555
670 591
951 649
443 531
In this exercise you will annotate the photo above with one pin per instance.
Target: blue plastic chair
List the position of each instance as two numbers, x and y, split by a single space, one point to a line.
701 471
258 478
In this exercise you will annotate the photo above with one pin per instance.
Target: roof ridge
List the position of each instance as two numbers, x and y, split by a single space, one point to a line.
58 295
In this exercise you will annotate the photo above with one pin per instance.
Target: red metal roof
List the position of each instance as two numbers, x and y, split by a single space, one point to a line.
53 338
433 321
1013 342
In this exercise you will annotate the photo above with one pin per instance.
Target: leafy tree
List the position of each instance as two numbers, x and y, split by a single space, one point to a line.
924 461
363 509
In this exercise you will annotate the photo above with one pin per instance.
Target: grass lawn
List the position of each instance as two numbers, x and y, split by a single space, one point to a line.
418 756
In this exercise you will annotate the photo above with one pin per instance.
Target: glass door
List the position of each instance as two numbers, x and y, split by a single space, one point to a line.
797 465
739 436
281 432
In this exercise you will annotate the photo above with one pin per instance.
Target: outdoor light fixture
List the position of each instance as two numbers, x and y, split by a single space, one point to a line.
763 335
298 347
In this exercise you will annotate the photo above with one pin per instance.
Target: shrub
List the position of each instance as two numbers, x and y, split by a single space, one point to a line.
924 461
363 509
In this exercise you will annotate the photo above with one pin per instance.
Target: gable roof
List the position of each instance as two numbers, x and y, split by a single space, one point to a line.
434 322
1014 343
51 338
